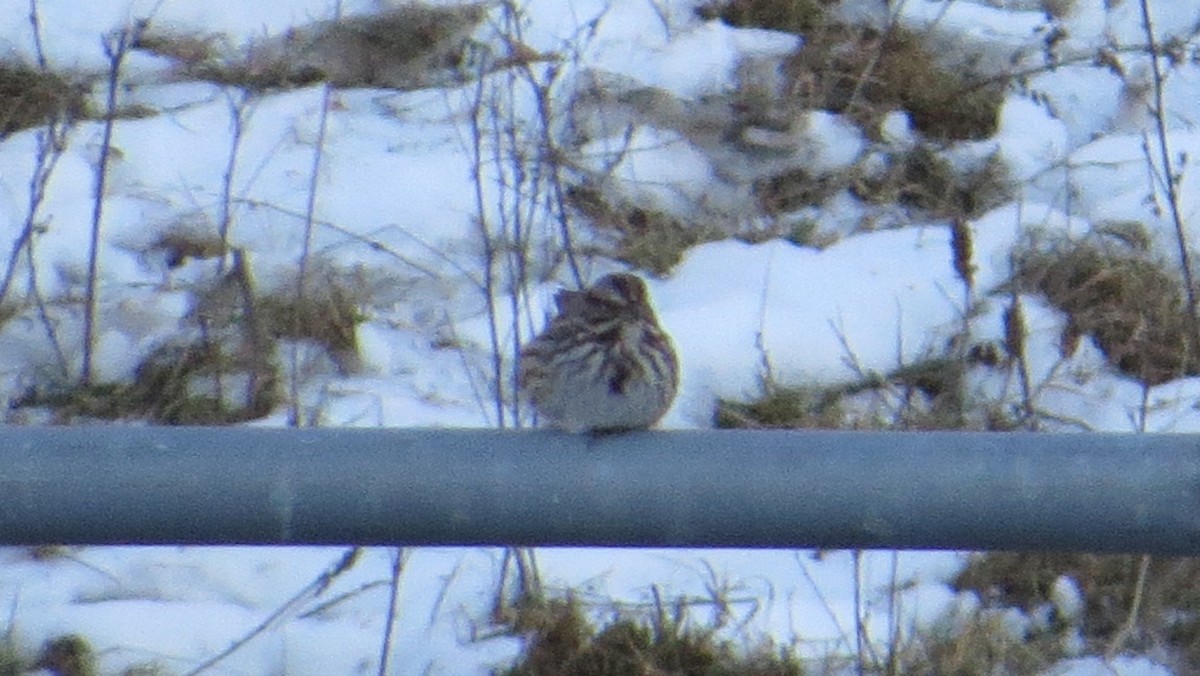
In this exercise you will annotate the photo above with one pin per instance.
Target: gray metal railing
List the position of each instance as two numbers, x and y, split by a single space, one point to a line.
117 485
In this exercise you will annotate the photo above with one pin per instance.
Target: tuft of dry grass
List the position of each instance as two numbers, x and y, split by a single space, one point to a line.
920 179
69 655
562 641
198 383
645 238
795 189
1132 303
1168 618
866 73
411 46
30 96
928 394
11 663
202 383
792 16
971 641
328 315
187 49
837 70
187 240
781 407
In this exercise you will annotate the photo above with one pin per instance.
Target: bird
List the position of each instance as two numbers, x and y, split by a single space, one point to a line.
603 364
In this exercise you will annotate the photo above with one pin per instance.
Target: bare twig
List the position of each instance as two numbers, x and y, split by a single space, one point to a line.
1015 345
237 121
1130 625
894 609
34 292
389 623
51 142
310 209
373 244
860 621
550 155
338 599
478 111
35 25
312 589
1170 179
116 46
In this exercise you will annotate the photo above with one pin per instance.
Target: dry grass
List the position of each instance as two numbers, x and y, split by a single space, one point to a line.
69 655
836 70
328 315
920 180
204 383
926 184
795 189
30 96
1169 616
781 407
793 16
562 641
968 642
405 48
645 238
199 383
187 49
866 73
929 394
185 241
1116 291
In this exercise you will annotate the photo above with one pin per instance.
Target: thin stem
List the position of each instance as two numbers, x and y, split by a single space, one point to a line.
860 629
35 24
488 286
1170 181
237 114
385 651
115 47
311 590
310 209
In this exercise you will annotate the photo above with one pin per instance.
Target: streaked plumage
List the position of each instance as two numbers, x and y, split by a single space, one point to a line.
603 364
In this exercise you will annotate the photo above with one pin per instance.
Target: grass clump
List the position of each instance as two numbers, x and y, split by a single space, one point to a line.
328 315
186 240
256 70
780 407
10 662
866 72
1167 619
197 383
791 16
970 641
1113 289
795 189
405 48
187 49
31 96
920 179
644 238
69 655
204 384
223 368
837 70
928 394
562 641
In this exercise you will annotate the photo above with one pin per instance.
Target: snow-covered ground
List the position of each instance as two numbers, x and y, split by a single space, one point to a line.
396 206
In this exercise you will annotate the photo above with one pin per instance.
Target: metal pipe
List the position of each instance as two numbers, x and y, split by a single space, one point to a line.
939 490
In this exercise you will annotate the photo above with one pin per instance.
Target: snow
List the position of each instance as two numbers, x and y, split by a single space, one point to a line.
396 204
